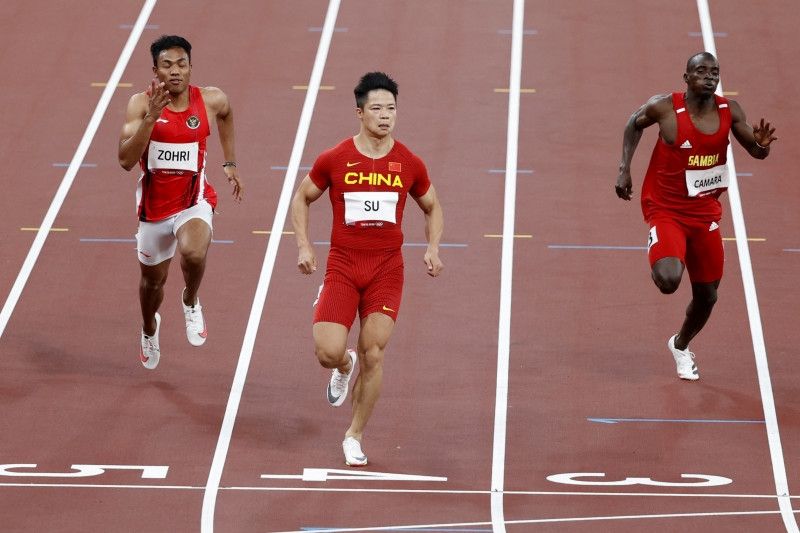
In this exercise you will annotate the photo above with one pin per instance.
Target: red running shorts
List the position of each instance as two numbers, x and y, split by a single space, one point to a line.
363 281
698 244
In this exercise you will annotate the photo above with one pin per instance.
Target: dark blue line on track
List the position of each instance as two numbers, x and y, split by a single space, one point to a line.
83 165
93 239
284 168
672 420
445 529
503 171
700 34
593 247
319 29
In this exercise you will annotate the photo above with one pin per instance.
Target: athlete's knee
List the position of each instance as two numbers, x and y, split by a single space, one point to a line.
152 283
667 274
705 296
372 358
193 256
330 357
666 283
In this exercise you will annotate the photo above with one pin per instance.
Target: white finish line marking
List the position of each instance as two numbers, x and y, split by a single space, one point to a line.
327 474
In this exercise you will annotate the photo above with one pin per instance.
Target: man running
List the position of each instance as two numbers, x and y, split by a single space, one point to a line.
369 177
680 196
165 132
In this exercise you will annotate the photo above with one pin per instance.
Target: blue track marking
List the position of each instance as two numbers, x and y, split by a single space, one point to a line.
593 247
285 168
411 244
503 171
83 165
429 529
111 239
672 420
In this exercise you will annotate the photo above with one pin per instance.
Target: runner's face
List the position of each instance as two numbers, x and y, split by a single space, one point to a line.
174 69
703 77
379 113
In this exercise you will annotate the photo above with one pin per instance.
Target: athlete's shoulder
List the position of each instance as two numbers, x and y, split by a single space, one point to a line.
401 150
213 97
341 149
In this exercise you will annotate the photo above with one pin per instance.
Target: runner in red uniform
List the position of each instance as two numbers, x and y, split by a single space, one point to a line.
680 196
165 132
368 178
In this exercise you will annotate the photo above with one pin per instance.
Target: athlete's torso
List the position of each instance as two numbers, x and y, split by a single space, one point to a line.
687 177
173 164
368 195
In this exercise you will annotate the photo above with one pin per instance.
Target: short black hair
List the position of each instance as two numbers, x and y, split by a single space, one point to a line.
370 82
165 42
699 57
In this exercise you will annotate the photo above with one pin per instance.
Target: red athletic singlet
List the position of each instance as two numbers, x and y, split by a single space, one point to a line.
368 195
687 178
173 165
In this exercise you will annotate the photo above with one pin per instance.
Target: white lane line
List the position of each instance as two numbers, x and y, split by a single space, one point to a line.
506 273
74 166
753 313
423 527
221 451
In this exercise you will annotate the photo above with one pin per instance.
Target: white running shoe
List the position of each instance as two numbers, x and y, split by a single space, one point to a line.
353 456
684 360
150 352
337 388
196 331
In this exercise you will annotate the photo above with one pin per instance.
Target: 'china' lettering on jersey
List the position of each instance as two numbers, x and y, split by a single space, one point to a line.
373 178
703 160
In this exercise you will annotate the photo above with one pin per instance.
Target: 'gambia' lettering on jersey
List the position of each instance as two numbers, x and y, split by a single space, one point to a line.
368 203
173 166
687 177
703 160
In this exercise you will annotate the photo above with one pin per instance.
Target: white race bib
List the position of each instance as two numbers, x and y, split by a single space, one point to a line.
370 205
173 156
700 182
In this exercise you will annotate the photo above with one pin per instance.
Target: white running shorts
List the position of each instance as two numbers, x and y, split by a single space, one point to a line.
156 241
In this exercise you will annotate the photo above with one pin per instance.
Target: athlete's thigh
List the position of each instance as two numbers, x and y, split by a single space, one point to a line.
705 255
330 337
155 242
193 229
338 296
667 238
376 329
384 292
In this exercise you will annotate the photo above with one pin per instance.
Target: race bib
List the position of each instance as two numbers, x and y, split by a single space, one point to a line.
173 156
370 205
701 182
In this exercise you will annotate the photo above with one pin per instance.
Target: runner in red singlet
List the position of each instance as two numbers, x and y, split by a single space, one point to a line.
680 196
369 178
165 132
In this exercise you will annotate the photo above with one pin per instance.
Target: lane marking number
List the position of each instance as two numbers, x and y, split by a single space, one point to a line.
705 480
148 472
328 474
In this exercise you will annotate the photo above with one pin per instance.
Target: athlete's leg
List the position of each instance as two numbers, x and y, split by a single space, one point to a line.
330 345
667 273
194 237
704 296
151 293
376 329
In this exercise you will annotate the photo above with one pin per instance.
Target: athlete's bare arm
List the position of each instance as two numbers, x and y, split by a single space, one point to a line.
756 138
305 194
434 226
218 106
140 117
656 110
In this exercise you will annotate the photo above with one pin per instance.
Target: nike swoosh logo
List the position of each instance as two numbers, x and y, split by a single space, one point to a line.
146 255
353 164
388 309
331 397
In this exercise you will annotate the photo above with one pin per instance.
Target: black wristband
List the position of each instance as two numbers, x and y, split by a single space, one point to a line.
229 164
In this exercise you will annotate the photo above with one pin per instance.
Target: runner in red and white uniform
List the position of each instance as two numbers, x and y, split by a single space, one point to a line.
680 196
165 131
369 178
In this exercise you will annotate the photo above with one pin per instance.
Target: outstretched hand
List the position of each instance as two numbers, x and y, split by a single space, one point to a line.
158 98
233 178
763 133
624 186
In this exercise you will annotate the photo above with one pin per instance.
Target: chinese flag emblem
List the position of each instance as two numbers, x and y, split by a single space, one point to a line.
394 167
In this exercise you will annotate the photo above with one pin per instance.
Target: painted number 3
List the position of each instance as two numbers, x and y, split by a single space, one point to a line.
703 480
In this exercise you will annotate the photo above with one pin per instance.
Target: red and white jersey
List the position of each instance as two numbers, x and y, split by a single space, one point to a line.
686 178
173 164
368 195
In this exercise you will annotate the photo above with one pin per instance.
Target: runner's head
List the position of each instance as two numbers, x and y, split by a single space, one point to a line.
376 103
172 62
702 74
